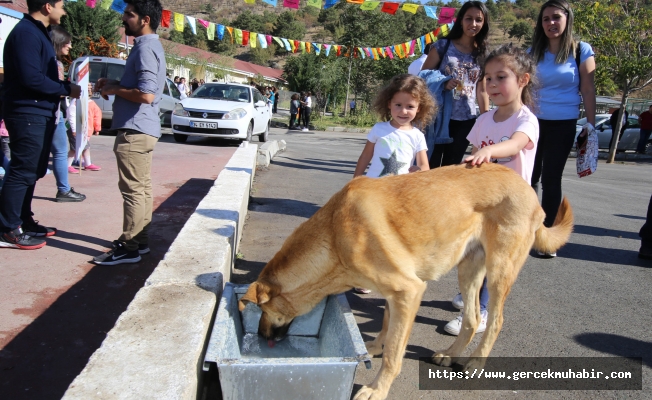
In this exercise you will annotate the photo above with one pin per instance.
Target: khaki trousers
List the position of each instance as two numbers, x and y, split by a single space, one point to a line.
133 152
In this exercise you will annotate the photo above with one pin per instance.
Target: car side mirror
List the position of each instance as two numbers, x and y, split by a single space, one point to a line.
260 103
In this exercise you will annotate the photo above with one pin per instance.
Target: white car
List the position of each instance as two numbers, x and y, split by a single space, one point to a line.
222 110
628 140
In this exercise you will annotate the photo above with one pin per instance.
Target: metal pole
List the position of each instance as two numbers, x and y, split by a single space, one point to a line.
348 83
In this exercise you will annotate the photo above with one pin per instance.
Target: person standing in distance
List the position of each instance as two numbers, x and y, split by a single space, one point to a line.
137 125
33 92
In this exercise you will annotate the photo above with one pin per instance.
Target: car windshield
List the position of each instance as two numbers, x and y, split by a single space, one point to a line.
223 92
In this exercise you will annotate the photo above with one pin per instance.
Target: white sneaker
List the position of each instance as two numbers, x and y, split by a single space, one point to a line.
458 302
305 130
546 255
455 325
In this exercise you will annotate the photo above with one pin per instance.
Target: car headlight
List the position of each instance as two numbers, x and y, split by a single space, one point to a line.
237 113
180 111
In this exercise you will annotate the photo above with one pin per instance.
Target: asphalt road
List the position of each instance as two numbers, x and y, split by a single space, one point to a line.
593 300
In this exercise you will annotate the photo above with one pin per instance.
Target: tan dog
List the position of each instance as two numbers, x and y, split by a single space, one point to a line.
392 235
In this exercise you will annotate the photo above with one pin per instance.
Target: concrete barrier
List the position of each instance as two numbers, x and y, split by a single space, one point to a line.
155 350
268 150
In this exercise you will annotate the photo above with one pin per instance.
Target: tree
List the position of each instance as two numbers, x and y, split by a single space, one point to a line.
521 30
620 32
506 21
89 27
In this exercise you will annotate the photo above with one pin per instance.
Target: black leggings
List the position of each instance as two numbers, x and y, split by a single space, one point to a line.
452 153
556 139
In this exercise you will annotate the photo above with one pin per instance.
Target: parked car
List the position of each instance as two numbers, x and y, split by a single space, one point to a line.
113 68
628 141
222 110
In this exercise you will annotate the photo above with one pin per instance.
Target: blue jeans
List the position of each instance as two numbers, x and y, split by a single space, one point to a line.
484 296
645 134
30 137
60 156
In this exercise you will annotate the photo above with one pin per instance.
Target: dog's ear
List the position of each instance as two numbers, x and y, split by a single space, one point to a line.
258 293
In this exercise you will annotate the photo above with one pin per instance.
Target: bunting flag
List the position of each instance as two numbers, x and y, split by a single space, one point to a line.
419 46
355 1
410 7
192 23
203 23
314 3
430 11
106 4
245 38
427 36
389 8
281 42
119 6
269 40
338 50
374 53
263 42
210 31
389 52
179 22
317 48
253 37
327 49
413 43
250 1
296 45
302 46
369 5
422 40
446 15
286 43
291 4
271 2
220 31
90 3
330 3
230 30
165 18
238 35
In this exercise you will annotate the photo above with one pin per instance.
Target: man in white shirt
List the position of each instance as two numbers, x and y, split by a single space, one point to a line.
307 109
183 88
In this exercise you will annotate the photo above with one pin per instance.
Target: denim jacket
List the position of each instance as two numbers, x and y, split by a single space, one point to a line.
437 131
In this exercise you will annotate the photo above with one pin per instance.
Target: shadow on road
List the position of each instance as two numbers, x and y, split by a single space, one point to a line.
594 231
296 208
45 357
617 345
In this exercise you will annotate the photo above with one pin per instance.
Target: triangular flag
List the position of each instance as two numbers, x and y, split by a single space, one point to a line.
106 4
389 8
119 6
446 15
245 38
413 43
262 41
362 52
269 40
297 45
431 11
253 39
327 49
220 31
203 23
286 43
330 3
210 31
230 30
303 46
270 2
314 3
422 40
369 52
419 45
381 51
165 18
279 41
428 38
355 1
250 1
238 35
179 22
293 46
374 53
90 3
444 30
317 48
291 4
369 5
398 50
338 50
389 52
192 23
410 7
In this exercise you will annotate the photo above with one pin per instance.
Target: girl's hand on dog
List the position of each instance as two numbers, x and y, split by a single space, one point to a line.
479 157
414 168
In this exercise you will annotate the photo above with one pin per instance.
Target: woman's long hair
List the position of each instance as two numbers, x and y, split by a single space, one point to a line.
481 39
568 44
60 37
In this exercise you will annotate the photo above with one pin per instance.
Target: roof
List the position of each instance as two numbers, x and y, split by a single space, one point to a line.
227 63
16 5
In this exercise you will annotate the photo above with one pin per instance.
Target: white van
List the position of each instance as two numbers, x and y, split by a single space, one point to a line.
113 68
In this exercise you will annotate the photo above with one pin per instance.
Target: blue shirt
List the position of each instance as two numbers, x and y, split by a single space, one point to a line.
144 70
559 94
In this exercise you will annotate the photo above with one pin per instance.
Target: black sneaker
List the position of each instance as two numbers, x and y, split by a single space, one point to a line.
17 239
32 228
143 248
118 255
71 196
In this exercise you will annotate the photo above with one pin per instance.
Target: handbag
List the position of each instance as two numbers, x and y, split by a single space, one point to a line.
587 154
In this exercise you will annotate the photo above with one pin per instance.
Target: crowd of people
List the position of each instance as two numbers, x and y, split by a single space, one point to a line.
300 110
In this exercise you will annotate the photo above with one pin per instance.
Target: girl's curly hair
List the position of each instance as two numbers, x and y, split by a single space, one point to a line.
414 86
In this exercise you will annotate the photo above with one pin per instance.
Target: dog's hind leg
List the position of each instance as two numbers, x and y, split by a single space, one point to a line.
403 305
375 347
471 273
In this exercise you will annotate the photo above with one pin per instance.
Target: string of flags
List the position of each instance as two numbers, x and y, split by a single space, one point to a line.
178 21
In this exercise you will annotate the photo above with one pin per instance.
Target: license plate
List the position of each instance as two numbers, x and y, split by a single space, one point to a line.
204 125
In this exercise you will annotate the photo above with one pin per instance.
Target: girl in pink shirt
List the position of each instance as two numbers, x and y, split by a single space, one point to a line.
506 135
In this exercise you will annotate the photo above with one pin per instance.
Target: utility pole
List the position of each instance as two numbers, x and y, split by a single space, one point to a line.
348 81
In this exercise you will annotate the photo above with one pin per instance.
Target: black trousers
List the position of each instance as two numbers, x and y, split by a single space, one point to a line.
306 116
555 142
30 141
452 153
646 230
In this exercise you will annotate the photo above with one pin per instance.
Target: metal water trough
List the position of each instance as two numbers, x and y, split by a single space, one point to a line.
316 361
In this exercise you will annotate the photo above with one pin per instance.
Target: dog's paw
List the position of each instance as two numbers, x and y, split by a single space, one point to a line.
474 364
374 348
367 393
442 359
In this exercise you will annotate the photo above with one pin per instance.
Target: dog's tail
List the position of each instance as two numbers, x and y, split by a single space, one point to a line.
549 240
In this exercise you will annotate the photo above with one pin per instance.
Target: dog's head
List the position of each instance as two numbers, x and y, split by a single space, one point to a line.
278 313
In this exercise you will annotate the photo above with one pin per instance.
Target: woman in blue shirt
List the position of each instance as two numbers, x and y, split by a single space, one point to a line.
562 80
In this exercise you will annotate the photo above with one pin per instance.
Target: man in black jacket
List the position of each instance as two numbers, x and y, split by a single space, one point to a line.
33 92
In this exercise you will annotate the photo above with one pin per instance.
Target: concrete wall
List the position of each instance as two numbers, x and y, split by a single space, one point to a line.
155 350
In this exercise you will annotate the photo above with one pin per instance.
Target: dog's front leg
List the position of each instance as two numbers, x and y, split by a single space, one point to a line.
375 347
404 306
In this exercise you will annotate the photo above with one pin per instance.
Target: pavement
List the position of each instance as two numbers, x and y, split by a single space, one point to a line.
593 300
55 306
